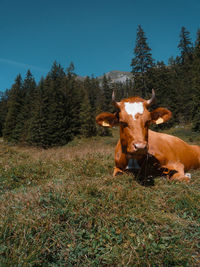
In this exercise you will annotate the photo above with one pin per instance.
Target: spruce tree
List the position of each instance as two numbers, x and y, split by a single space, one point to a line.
3 109
88 127
107 91
163 80
142 61
37 132
196 85
55 116
10 132
185 45
185 75
73 104
197 46
27 102
70 70
196 114
47 126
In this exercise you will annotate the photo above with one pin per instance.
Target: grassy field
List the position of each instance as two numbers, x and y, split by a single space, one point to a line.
62 207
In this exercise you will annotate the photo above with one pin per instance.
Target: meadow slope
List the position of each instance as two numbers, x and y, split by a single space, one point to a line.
62 207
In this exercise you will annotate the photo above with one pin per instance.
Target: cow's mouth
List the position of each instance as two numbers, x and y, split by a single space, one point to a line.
136 153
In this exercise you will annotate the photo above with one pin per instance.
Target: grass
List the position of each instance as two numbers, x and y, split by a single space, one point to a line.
62 207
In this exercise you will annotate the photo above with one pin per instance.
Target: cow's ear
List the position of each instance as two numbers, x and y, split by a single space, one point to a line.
107 119
160 115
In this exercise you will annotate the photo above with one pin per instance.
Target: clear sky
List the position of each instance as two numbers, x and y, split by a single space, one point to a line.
96 35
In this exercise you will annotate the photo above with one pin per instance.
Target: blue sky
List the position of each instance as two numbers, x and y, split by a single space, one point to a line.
96 35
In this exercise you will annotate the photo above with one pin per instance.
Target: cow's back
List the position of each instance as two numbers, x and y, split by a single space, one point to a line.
169 149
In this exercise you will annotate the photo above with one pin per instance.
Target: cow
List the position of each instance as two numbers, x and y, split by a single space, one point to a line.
141 148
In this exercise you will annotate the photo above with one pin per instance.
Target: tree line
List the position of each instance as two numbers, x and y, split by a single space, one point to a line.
56 110
177 84
61 106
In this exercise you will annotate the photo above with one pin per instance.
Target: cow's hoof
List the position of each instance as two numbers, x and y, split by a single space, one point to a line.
117 172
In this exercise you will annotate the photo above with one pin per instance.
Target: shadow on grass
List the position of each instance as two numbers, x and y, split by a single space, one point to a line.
147 170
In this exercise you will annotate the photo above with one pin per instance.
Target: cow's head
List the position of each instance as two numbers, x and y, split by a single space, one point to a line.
133 118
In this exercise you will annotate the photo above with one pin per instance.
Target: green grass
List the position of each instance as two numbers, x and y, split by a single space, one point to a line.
62 207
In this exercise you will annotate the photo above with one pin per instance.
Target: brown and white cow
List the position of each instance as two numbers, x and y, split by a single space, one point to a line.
138 144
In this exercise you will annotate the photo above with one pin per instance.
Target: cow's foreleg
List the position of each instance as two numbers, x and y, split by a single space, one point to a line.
121 161
117 171
179 175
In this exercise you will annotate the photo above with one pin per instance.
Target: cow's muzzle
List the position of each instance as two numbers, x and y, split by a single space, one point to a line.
138 148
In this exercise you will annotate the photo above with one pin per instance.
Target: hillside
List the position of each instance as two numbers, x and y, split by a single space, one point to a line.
62 207
114 76
117 76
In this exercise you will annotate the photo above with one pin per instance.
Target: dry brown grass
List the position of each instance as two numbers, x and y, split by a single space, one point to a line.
64 153
62 207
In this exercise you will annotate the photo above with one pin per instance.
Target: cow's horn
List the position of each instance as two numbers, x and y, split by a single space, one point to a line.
113 96
114 101
151 100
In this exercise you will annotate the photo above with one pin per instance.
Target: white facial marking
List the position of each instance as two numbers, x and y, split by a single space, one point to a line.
134 108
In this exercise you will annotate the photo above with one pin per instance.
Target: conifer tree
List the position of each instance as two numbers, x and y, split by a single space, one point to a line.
197 46
196 113
90 87
185 75
185 45
3 109
107 90
27 101
196 105
142 61
163 80
74 96
48 123
55 116
70 128
196 85
14 107
196 102
70 70
37 132
88 127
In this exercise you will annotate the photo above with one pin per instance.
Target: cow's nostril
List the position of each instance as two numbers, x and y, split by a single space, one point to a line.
135 146
140 146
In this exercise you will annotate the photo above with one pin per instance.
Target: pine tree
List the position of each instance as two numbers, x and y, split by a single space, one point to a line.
3 109
73 104
10 132
196 85
88 127
55 98
196 114
163 80
197 46
142 61
25 114
185 75
185 45
196 106
47 126
70 70
37 134
107 91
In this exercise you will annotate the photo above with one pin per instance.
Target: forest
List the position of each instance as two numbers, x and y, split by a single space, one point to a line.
62 106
